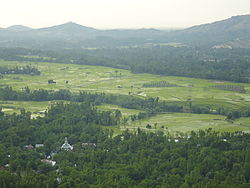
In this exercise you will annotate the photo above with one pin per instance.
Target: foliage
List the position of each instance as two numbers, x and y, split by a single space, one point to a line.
197 62
20 70
150 105
235 88
132 159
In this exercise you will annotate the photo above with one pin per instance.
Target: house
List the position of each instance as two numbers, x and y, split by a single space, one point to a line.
39 145
29 146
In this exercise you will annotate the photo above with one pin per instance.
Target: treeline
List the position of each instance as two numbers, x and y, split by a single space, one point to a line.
20 70
236 88
221 64
131 159
150 106
59 119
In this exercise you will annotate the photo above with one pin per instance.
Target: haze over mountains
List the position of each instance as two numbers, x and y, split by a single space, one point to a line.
230 33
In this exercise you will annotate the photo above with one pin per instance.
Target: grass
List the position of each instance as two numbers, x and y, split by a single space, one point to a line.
186 122
103 79
117 81
125 112
36 108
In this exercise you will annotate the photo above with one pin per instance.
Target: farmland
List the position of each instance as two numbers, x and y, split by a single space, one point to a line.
117 81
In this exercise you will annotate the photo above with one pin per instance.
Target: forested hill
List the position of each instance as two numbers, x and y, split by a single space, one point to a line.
72 35
232 29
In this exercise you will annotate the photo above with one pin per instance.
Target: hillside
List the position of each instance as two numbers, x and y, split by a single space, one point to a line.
234 28
72 35
235 24
63 31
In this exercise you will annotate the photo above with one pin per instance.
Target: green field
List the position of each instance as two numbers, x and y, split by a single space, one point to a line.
186 122
118 81
37 108
125 112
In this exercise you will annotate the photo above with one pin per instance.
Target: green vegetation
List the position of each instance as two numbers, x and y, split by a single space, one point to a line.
197 62
103 79
159 84
196 92
125 111
19 70
35 107
183 122
33 57
240 89
138 143
131 159
67 120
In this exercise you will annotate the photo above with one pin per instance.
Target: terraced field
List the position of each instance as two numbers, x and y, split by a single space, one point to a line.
117 81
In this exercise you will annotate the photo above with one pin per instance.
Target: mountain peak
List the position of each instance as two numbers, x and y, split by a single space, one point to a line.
70 27
73 23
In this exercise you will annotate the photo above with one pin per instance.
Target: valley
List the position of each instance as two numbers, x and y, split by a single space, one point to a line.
75 78
154 95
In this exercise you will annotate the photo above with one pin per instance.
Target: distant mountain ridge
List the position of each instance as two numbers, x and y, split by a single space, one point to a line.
73 35
69 27
234 28
232 24
18 28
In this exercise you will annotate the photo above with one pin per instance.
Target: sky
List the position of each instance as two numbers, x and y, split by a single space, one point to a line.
107 14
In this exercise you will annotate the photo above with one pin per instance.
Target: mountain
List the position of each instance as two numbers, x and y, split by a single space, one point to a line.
234 32
234 28
235 24
69 28
72 35
18 28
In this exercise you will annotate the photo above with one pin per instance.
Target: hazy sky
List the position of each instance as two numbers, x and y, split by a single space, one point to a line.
119 13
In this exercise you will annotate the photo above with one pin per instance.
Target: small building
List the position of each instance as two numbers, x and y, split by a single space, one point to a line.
66 146
51 82
39 145
29 146
52 163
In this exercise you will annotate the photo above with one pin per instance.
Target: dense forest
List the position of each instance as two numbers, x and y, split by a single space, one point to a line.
198 62
131 159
